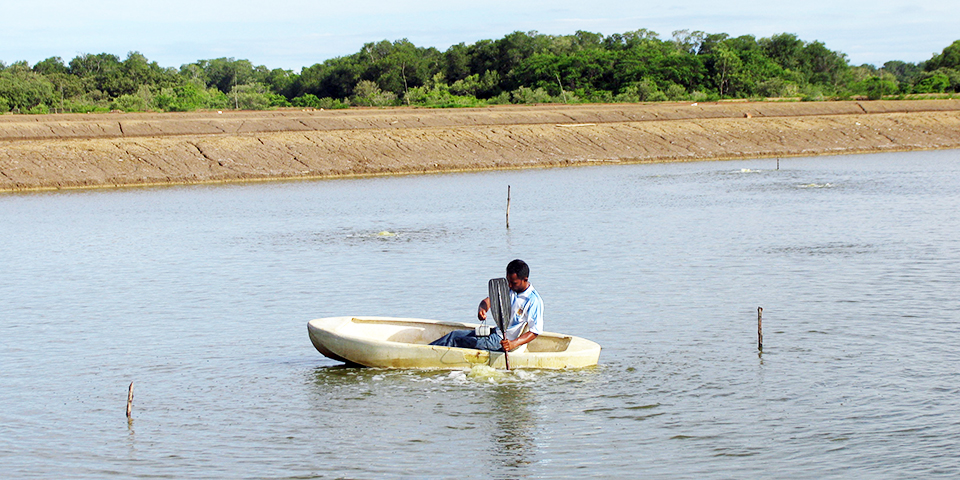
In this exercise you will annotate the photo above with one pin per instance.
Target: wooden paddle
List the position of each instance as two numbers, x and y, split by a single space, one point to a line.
500 308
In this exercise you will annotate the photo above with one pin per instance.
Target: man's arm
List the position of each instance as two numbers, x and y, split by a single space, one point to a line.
484 306
511 345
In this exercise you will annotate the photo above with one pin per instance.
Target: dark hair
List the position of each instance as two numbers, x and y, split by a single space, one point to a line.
519 268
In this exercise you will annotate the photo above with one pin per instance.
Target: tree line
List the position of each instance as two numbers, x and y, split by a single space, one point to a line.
637 66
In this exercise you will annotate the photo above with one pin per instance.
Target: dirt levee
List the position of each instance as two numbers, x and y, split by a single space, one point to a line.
62 151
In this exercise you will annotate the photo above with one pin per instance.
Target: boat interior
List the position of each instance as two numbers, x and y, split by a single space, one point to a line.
423 333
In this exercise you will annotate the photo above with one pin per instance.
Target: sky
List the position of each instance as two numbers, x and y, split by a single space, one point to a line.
293 34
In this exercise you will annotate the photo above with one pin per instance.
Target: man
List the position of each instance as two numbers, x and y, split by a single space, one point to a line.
526 311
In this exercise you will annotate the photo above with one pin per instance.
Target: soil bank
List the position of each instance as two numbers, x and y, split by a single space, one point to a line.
105 150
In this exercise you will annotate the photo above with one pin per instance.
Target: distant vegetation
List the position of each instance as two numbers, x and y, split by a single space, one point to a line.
521 67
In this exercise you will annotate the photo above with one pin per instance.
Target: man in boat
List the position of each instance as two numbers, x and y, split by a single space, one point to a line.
526 321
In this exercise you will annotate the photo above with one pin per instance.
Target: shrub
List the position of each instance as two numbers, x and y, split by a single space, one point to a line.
526 95
776 88
698 96
277 100
676 92
39 109
811 93
587 95
629 94
129 103
254 96
84 105
502 99
311 101
647 90
468 86
368 93
307 101
190 96
333 104
439 96
937 82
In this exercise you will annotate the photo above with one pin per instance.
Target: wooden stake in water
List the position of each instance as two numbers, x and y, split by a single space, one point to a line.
130 400
508 206
760 328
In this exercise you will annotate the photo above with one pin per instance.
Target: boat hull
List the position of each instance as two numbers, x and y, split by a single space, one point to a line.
389 342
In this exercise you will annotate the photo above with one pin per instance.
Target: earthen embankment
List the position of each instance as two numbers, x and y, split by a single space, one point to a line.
65 151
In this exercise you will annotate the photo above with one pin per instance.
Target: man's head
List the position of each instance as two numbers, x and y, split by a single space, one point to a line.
517 274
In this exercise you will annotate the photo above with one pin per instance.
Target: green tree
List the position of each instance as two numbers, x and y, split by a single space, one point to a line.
540 70
224 73
628 40
588 40
948 58
50 66
282 82
65 88
396 67
138 71
505 55
334 78
727 68
22 90
687 41
821 65
456 62
590 69
903 71
757 66
101 74
784 49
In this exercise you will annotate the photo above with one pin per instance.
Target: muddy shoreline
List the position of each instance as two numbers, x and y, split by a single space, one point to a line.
109 150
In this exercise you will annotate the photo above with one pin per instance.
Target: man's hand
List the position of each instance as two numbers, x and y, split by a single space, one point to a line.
511 345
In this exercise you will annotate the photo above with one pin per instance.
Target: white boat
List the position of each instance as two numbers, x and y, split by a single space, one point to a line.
389 342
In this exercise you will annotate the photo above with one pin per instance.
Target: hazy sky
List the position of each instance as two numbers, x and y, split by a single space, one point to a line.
293 34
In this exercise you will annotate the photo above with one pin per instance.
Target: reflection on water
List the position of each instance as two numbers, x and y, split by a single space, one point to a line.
201 295
513 441
489 422
483 417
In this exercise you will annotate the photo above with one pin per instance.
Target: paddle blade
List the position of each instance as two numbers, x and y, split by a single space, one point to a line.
500 303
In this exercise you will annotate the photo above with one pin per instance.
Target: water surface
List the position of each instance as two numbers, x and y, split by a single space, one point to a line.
200 295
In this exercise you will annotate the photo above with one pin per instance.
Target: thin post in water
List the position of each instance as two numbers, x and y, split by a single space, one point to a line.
130 401
760 328
508 206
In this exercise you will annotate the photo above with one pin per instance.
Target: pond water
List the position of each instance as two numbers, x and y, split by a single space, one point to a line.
200 295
